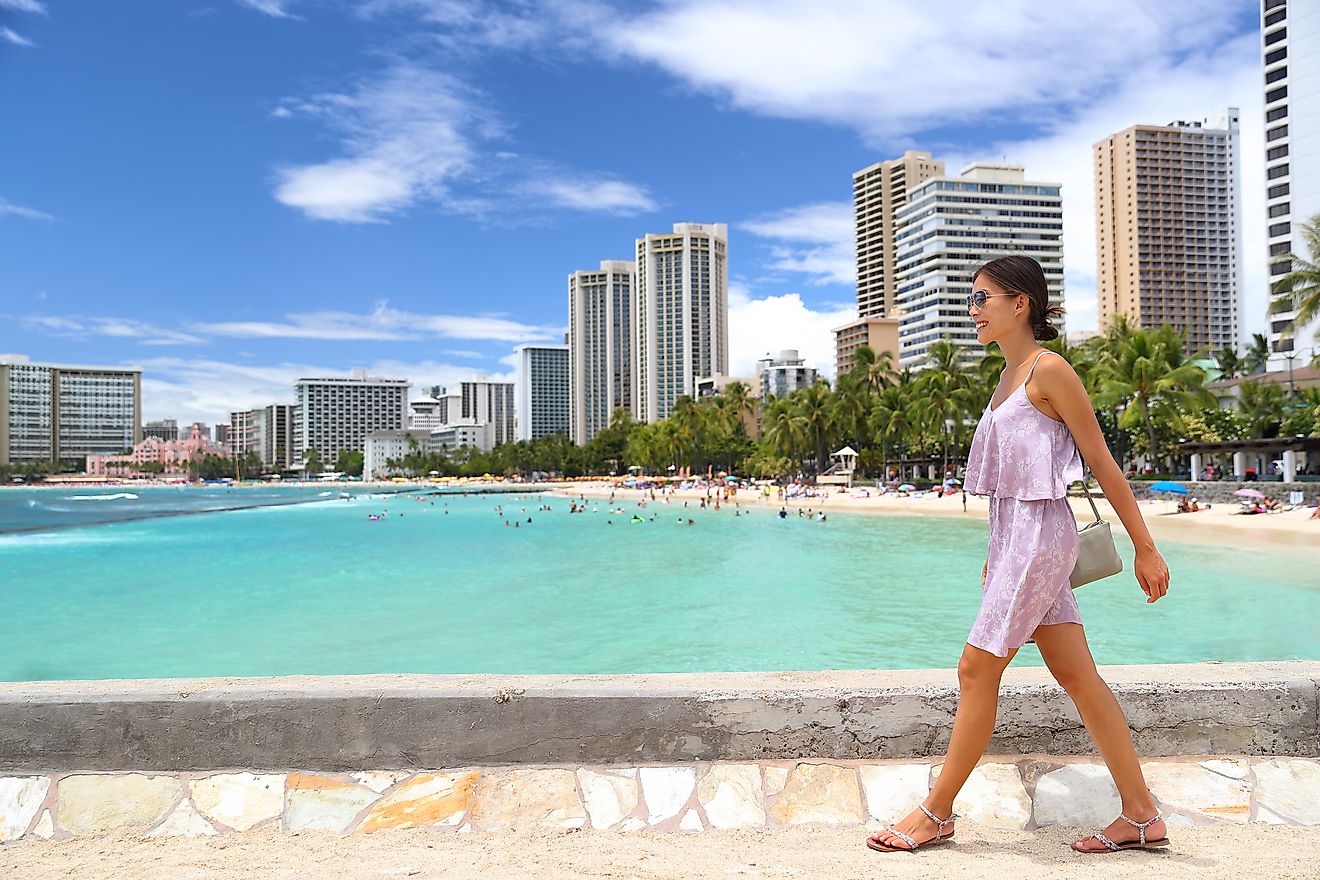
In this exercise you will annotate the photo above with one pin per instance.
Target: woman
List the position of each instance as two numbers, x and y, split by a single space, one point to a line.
1024 455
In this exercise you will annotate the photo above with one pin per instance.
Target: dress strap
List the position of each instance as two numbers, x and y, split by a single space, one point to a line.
1033 366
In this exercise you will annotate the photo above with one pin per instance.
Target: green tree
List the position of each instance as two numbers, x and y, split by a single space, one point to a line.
1299 290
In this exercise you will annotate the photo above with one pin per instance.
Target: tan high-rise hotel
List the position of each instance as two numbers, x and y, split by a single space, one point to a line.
1169 229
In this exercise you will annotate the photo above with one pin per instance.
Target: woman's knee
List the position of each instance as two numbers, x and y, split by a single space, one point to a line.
979 669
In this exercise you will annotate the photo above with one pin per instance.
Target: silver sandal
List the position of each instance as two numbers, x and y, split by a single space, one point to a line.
1140 843
912 844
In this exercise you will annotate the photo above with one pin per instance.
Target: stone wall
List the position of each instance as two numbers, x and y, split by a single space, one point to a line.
1021 792
1221 491
391 723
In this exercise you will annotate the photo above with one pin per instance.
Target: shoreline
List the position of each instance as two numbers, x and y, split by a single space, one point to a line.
1221 522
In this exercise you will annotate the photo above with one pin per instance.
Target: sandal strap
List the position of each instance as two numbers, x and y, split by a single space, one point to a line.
939 823
1142 826
901 836
1113 847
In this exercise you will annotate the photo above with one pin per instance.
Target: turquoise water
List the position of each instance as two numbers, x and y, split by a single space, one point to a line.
441 585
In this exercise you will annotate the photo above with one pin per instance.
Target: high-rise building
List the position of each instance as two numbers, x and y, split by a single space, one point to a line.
1169 229
244 433
600 345
57 412
949 227
488 403
879 191
266 432
338 413
541 407
222 434
781 376
161 429
1290 44
682 315
880 334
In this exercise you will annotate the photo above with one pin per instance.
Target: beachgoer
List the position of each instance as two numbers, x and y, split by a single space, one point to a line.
1024 455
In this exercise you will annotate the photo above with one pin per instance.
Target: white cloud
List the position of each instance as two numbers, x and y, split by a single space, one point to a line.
8 207
890 69
208 390
588 194
414 137
818 240
407 134
773 323
83 327
24 6
382 324
10 37
1155 92
273 8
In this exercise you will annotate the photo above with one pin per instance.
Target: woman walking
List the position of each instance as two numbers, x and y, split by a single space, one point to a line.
1024 455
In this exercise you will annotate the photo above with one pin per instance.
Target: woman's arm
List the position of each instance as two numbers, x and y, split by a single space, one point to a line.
1057 382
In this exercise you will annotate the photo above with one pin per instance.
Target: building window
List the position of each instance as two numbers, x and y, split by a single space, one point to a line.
1276 55
1275 133
1276 114
1276 152
1276 94
1282 209
1275 17
1276 74
1277 191
1276 36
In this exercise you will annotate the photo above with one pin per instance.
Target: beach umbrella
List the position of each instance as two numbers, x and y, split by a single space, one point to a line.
1250 493
1168 486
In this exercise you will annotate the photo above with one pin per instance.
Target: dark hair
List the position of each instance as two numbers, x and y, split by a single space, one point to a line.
1018 273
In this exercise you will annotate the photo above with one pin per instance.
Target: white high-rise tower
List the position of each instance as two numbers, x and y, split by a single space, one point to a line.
682 315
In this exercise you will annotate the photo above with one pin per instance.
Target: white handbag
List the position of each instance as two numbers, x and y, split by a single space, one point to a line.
1097 556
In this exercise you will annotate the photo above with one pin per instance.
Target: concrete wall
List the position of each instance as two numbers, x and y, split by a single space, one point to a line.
398 722
1221 491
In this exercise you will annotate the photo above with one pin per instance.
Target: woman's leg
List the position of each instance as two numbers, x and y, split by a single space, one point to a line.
1064 649
979 673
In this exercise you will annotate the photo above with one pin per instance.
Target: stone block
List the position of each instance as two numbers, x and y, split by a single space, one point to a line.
609 797
510 800
323 803
731 796
819 793
425 800
893 790
20 799
95 803
1078 795
1289 789
1190 788
993 795
666 790
184 821
240 800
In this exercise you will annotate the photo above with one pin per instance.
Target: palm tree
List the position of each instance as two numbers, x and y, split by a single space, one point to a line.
876 368
740 401
1299 290
784 429
1257 354
1150 375
1261 403
313 464
814 406
1230 365
891 419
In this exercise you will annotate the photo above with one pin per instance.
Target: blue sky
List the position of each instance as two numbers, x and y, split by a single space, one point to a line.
234 193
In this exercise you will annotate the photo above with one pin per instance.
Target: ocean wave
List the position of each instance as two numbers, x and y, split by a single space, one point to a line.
115 497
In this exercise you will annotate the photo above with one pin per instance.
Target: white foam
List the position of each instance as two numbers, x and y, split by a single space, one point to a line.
115 497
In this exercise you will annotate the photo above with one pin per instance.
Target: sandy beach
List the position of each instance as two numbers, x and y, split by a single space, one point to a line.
1219 523
810 853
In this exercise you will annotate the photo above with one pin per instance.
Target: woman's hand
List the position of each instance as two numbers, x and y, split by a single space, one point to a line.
984 569
1152 574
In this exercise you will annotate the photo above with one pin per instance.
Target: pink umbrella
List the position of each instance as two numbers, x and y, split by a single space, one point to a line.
1249 493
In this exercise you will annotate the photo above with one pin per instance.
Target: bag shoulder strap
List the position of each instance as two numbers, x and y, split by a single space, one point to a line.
1086 487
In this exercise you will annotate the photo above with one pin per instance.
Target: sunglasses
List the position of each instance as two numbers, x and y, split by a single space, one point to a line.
979 297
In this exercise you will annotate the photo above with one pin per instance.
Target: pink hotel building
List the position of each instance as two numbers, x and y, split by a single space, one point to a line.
175 455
